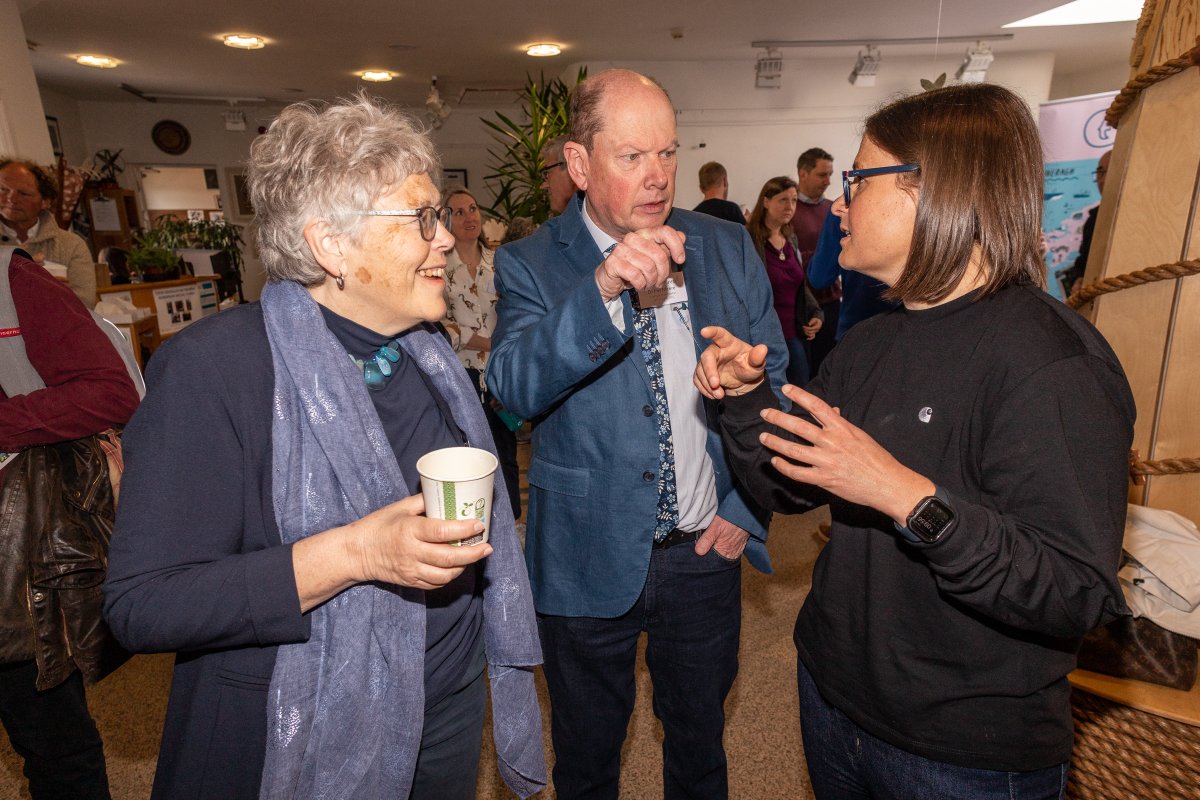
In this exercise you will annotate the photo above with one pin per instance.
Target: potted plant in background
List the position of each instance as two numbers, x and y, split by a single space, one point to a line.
150 261
206 241
516 178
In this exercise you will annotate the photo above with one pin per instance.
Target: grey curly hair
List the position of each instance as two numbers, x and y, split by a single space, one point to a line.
328 162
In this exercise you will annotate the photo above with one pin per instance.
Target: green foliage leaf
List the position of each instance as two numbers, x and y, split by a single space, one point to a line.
516 160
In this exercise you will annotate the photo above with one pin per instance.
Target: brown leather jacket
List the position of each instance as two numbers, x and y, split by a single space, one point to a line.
56 518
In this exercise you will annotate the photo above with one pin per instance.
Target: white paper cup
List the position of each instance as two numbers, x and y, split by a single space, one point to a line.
457 484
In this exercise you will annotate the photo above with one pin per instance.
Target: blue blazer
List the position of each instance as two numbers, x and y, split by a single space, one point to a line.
558 359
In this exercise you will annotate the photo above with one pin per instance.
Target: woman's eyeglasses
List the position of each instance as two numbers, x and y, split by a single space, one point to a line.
851 176
546 170
428 216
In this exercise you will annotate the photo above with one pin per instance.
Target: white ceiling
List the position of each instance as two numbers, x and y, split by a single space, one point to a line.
170 47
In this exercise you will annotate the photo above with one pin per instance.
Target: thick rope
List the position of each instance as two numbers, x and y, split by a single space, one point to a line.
1162 272
1137 83
1165 466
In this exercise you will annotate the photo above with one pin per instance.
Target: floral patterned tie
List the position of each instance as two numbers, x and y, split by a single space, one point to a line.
667 515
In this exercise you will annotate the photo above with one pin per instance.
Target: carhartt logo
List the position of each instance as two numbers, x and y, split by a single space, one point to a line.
925 414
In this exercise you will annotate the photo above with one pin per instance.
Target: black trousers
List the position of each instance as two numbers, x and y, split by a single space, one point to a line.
54 732
826 338
506 447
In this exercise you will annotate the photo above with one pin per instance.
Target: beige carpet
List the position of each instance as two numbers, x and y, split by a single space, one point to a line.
762 734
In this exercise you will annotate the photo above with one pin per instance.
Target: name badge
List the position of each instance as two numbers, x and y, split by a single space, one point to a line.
673 291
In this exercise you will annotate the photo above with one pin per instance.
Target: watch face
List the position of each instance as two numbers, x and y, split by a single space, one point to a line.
931 519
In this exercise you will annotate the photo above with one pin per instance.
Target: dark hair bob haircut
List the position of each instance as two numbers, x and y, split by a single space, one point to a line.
980 185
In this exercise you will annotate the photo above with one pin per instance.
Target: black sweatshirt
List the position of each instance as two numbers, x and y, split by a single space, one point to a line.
959 651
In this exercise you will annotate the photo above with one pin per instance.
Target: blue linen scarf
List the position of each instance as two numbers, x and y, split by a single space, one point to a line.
345 708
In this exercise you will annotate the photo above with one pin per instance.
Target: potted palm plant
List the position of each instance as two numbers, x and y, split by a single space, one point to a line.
516 161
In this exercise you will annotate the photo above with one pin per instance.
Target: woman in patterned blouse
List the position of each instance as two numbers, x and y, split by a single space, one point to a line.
471 315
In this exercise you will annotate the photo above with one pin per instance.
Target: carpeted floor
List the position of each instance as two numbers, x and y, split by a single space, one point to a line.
762 734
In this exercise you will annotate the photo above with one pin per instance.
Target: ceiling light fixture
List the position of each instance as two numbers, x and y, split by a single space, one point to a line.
244 41
768 70
99 62
975 64
1083 12
376 75
865 67
234 120
542 50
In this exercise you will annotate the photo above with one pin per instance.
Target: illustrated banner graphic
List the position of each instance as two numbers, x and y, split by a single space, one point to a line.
1074 136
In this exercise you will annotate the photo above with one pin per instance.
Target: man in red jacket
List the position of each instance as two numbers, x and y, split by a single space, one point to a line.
87 390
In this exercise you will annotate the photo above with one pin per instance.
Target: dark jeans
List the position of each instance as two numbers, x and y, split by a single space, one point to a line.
691 611
54 733
847 763
448 762
506 447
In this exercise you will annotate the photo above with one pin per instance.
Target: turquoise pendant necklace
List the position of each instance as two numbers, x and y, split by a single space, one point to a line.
378 368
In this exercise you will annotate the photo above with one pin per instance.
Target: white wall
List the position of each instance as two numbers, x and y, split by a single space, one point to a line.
70 126
1110 78
22 119
758 133
463 140
177 188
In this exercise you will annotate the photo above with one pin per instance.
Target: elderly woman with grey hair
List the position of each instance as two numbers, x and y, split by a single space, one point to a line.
330 641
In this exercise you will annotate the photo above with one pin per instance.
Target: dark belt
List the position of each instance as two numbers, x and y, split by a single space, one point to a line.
675 537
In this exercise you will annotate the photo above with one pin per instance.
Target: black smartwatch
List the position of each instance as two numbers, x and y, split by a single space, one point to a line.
929 521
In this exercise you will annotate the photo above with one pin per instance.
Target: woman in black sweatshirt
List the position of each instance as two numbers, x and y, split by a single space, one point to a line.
972 446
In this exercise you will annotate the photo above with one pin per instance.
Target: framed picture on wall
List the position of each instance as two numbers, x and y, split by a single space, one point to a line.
454 177
55 136
241 210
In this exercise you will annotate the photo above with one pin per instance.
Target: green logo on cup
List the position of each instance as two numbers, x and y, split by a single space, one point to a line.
448 501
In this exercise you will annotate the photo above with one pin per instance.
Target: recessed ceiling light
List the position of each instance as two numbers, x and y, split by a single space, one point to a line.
543 49
100 62
376 75
1083 12
244 41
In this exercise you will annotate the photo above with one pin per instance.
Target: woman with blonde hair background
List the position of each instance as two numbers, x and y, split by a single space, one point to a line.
470 317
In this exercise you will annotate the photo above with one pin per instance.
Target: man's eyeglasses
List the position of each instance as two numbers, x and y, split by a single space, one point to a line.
851 176
428 216
546 170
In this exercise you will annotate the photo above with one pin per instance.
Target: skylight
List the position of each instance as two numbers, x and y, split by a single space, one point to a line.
1083 12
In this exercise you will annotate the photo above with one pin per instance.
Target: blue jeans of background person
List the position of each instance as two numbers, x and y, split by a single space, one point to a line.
797 368
847 763
691 612
54 733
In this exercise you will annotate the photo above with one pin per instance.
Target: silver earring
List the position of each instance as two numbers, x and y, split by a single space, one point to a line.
340 280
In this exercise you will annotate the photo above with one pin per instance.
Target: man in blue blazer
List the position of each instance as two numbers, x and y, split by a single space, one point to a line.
635 521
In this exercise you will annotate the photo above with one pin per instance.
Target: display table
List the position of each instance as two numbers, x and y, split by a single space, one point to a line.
1133 740
176 304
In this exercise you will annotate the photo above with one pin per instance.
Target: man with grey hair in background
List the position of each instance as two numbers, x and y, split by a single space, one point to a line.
556 180
635 524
